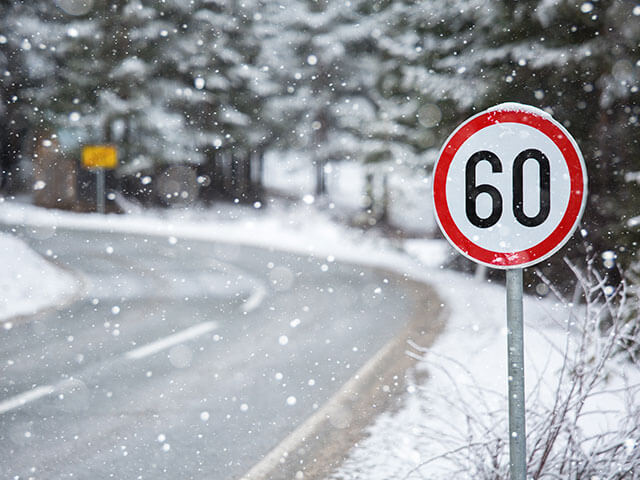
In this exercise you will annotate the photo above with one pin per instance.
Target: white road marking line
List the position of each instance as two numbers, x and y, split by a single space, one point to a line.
167 342
25 397
136 354
255 299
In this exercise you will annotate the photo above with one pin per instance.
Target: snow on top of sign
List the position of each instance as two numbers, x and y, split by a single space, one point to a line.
518 107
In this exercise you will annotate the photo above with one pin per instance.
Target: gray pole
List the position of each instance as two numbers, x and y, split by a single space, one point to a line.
100 188
515 343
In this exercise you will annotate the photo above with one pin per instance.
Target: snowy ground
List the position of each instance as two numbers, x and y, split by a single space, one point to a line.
300 229
466 367
29 283
463 400
466 363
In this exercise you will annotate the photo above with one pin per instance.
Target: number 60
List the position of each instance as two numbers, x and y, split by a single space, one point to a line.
472 190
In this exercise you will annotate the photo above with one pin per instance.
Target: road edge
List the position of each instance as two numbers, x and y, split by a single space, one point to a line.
307 453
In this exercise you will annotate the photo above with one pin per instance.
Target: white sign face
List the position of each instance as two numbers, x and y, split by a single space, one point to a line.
509 186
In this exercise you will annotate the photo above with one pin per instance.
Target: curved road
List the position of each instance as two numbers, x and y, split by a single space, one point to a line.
182 359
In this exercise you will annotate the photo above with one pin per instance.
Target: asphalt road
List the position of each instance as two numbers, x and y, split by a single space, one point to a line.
182 359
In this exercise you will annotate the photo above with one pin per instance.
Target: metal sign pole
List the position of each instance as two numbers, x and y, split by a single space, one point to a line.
515 344
100 189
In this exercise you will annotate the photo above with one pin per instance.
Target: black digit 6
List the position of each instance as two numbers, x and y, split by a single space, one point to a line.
472 190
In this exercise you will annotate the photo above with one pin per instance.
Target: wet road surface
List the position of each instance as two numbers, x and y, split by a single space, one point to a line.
181 359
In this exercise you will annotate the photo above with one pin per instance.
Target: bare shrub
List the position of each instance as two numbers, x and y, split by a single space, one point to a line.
570 435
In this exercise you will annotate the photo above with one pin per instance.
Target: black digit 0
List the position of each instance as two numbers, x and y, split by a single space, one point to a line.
545 187
473 190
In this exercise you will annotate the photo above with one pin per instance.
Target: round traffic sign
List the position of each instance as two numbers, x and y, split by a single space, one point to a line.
509 186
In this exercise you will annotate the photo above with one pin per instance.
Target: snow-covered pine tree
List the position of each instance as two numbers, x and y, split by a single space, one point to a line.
579 61
320 53
90 67
418 97
166 82
26 70
217 85
424 88
443 61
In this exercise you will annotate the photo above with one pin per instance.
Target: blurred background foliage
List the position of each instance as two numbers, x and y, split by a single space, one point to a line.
202 89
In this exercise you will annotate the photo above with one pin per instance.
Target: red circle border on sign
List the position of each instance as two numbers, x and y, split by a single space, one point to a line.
567 224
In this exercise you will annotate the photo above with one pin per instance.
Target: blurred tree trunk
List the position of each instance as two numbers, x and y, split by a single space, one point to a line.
14 126
384 206
11 147
228 172
319 142
257 174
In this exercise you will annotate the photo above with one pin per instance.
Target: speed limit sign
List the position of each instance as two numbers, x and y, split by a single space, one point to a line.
509 186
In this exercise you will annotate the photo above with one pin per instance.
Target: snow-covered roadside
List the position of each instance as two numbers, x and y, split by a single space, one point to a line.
299 229
29 283
468 357
466 385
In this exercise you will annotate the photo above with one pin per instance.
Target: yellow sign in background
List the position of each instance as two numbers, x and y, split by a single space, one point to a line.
99 156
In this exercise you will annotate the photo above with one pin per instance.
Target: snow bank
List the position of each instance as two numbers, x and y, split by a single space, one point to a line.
301 229
467 385
468 357
430 253
29 283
